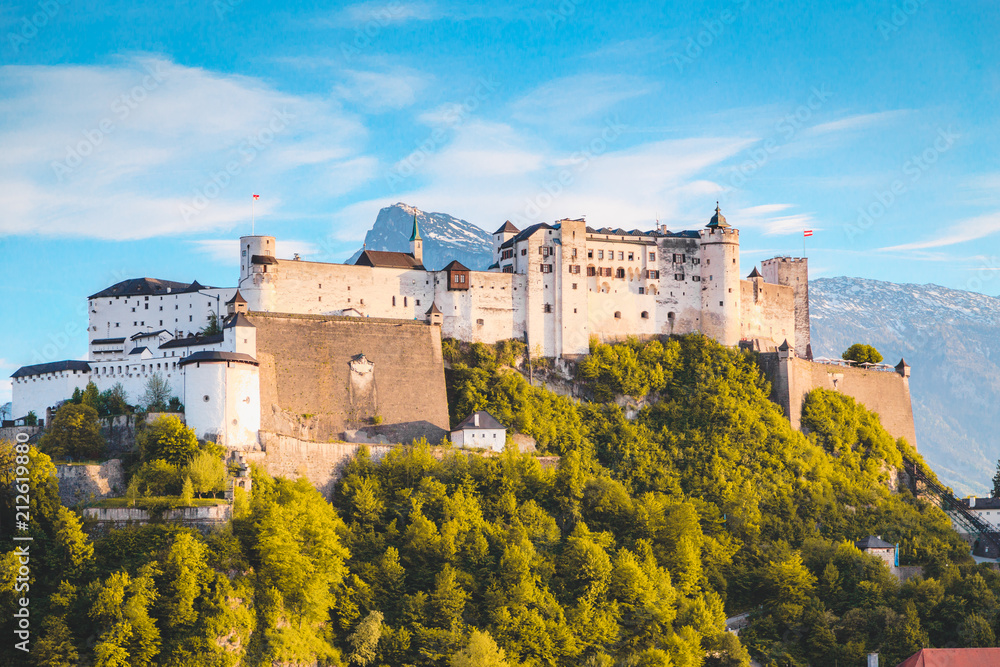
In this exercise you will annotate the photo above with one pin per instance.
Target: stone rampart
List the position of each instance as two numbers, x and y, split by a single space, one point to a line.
885 393
322 375
84 483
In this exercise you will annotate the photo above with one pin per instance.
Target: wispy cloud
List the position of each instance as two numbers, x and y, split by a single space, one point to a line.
381 90
856 122
763 217
964 231
146 147
384 13
565 102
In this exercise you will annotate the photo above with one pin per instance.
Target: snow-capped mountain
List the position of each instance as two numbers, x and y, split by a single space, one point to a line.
445 237
951 338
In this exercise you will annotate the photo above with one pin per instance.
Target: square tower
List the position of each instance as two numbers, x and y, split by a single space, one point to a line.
793 272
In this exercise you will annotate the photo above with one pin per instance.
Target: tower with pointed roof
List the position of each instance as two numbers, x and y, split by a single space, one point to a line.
506 232
416 243
720 280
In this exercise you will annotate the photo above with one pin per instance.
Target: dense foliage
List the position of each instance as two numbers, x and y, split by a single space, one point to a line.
75 433
698 502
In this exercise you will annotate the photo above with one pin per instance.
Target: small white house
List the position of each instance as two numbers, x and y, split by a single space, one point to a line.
480 430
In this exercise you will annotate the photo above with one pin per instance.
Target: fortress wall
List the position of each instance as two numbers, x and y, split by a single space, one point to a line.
495 298
767 312
317 288
319 462
81 483
885 393
310 390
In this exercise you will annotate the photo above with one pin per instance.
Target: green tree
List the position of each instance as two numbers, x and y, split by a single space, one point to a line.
364 641
481 651
861 353
31 419
75 432
213 327
169 439
187 491
156 394
207 472
158 478
115 400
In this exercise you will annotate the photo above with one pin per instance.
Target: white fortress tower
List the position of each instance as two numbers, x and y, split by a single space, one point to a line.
720 280
257 266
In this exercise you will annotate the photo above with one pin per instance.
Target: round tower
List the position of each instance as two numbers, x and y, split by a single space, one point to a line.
720 280
258 272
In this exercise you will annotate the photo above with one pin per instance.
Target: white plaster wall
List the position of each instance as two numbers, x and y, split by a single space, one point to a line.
39 392
232 412
121 317
486 438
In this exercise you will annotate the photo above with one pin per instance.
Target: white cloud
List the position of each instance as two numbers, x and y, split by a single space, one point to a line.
381 91
146 147
564 102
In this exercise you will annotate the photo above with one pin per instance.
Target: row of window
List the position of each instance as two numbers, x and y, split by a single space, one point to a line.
406 301
621 255
606 272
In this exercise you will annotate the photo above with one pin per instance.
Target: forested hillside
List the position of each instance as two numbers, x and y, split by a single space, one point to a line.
630 553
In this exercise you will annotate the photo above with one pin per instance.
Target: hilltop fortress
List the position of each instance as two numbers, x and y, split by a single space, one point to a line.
316 351
553 286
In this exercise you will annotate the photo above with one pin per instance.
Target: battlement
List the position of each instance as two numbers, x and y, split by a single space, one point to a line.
783 260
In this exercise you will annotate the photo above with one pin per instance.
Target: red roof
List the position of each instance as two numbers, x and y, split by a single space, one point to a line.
953 657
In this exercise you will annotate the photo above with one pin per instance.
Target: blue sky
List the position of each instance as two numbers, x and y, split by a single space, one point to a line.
131 137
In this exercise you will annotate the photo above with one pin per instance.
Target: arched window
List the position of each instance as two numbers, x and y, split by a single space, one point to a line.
645 315
619 272
618 314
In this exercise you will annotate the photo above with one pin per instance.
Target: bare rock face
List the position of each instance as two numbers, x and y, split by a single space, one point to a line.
445 237
951 338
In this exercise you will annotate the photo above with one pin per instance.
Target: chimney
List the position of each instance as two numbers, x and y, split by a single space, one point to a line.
475 419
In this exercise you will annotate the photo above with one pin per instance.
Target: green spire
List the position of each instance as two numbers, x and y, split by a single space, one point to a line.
415 236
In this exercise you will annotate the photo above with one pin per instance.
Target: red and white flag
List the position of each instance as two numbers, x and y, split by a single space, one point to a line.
258 197
807 232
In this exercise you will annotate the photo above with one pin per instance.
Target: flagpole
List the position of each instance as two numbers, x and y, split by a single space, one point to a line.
253 227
